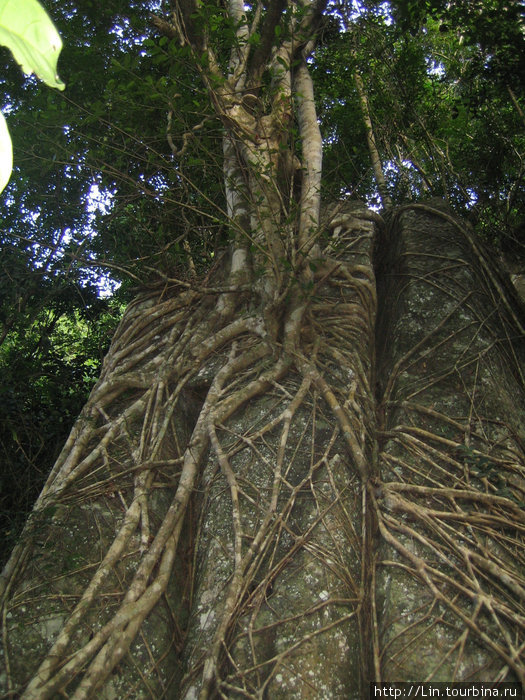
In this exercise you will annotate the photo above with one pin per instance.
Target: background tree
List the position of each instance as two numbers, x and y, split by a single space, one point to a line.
301 467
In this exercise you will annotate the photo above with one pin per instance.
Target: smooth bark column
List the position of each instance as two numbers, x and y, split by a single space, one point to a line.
450 568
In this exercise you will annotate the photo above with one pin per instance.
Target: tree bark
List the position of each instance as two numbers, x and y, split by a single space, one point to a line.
449 576
229 520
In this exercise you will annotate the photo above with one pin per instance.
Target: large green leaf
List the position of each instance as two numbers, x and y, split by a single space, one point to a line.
27 30
6 153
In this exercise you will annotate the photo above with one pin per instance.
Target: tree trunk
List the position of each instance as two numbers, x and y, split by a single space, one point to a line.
449 568
234 518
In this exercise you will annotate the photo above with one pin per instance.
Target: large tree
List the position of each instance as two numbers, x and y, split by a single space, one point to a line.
302 466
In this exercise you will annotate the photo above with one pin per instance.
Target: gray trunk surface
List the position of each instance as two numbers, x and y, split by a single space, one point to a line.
229 520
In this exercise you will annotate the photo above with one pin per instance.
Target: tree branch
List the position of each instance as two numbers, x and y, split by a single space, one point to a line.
312 148
371 141
262 53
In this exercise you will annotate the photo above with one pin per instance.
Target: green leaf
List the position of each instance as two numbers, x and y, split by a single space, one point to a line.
6 153
27 30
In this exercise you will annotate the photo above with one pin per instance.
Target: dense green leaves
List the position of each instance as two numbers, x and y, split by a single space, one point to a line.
49 362
446 112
